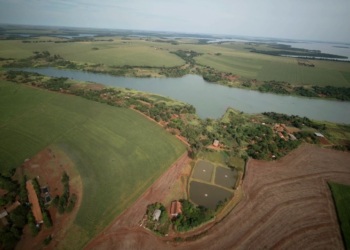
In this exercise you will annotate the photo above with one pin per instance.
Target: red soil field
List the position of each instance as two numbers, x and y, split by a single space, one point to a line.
287 205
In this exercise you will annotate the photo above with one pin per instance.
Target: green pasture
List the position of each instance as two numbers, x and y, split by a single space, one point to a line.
118 52
118 152
293 73
341 196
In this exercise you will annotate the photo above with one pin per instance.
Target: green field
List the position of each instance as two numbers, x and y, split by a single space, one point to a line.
235 59
341 196
117 53
118 152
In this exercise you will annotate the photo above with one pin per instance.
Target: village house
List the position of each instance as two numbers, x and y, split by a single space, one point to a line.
156 214
175 209
216 143
33 199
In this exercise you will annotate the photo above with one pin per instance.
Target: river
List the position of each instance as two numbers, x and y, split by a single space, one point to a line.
211 100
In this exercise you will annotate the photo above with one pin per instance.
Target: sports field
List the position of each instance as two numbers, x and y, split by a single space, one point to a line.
118 152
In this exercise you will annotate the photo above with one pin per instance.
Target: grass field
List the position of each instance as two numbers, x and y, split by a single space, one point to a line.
341 196
235 59
137 53
118 152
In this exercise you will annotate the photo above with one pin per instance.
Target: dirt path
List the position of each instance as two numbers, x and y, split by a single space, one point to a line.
287 205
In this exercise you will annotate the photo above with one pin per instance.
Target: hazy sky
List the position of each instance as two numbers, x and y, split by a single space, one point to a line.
299 19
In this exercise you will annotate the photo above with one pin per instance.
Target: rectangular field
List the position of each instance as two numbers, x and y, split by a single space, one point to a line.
117 52
341 196
293 73
118 152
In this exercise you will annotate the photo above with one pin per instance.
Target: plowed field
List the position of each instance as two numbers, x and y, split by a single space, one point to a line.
287 205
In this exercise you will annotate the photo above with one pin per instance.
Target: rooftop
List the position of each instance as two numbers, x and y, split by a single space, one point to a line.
176 208
33 199
156 214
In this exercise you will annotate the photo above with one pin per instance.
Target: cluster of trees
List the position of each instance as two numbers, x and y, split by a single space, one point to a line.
17 219
192 216
273 87
65 202
162 226
187 55
340 93
309 54
295 120
56 84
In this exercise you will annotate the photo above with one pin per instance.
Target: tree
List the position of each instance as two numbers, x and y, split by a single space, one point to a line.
47 219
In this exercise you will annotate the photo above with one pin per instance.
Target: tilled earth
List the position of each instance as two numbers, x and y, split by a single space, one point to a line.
287 205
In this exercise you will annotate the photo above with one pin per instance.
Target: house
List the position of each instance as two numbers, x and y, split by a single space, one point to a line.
216 143
156 214
44 190
319 134
33 199
292 137
175 209
280 135
47 198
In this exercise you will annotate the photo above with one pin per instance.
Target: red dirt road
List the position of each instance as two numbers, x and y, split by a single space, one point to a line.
287 205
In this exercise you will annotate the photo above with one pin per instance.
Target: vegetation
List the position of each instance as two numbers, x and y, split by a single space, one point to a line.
341 196
160 227
192 216
92 135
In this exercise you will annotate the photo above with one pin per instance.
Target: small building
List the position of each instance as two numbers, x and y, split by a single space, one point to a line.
45 190
216 143
3 213
319 134
33 199
292 137
156 214
280 135
47 198
175 209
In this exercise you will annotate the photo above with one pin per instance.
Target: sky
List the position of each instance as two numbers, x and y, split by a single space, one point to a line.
325 20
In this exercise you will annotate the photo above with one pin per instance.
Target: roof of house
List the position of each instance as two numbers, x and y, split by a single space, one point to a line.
3 213
45 190
33 198
292 137
156 214
176 208
216 142
13 206
319 134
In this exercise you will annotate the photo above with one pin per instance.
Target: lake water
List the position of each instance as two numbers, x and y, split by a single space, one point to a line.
212 100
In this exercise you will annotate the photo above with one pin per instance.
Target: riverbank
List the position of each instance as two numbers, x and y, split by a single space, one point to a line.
45 59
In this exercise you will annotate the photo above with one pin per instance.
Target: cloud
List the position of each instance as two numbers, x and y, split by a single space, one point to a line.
312 19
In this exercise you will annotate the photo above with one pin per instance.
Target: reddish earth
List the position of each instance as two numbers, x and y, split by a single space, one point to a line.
49 165
324 141
287 205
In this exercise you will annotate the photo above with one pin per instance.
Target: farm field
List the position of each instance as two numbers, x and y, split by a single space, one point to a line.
287 205
118 152
236 60
115 53
341 196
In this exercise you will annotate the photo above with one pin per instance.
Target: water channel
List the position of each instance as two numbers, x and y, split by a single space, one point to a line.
212 100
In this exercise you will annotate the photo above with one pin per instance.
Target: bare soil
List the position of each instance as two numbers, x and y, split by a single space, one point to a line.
287 205
49 165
